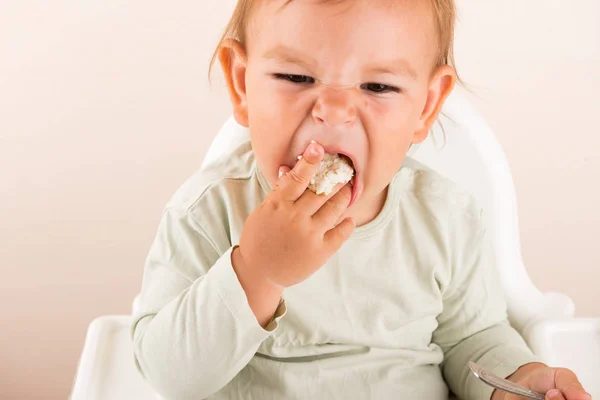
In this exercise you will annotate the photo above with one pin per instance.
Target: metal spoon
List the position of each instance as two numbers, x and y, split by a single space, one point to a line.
503 384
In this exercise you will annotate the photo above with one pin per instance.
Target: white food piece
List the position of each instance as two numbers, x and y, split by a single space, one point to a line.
333 170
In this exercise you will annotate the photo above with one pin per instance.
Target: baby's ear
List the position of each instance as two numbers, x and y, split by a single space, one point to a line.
440 87
233 59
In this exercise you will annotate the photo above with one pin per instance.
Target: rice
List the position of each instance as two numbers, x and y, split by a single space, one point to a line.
333 170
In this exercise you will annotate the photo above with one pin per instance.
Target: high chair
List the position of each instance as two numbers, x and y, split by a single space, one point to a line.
465 151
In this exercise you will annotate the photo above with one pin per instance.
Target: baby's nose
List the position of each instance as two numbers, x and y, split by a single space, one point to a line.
335 107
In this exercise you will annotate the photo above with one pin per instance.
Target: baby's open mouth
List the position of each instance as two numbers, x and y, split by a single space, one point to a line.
347 160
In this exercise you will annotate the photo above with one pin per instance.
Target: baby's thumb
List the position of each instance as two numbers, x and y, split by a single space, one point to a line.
338 235
554 394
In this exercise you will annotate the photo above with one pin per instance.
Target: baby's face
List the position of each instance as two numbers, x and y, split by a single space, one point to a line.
356 76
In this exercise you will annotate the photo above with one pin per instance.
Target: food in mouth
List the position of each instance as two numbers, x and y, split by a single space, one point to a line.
334 169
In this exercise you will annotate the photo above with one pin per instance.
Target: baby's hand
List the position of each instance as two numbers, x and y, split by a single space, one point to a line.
557 383
293 233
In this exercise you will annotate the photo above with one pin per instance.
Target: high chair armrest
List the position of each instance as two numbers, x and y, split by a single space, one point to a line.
106 369
555 305
572 343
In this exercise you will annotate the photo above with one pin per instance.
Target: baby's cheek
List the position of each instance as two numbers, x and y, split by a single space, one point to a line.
386 163
269 156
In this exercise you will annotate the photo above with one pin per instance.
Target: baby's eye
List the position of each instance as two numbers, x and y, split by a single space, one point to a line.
300 79
379 88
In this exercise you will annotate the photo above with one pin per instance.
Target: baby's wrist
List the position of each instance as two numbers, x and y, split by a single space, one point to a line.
263 295
250 273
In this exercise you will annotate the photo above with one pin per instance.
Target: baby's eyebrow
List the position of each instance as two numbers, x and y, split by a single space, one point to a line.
286 54
394 67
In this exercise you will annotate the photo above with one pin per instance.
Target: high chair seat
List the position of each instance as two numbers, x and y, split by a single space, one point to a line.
467 153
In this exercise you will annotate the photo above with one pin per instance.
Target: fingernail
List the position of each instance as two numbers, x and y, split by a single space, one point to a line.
312 150
553 393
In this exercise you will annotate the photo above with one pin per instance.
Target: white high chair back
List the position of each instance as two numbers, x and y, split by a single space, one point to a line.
469 154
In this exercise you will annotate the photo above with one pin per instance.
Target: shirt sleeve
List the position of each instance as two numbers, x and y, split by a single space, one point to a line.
473 325
194 329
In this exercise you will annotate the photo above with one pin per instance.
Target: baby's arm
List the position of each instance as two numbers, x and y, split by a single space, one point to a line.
201 313
473 324
195 329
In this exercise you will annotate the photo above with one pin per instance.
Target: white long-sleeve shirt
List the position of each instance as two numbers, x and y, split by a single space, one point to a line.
396 313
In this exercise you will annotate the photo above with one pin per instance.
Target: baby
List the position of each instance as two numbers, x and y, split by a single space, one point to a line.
377 288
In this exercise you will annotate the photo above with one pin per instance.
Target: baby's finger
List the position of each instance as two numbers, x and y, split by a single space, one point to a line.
338 235
282 171
568 383
311 203
576 394
333 208
296 181
554 394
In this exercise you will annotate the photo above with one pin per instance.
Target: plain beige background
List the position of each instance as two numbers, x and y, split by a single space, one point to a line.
105 109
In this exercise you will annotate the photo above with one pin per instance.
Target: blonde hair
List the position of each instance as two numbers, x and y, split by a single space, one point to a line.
444 13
